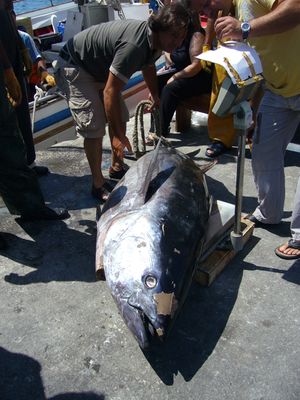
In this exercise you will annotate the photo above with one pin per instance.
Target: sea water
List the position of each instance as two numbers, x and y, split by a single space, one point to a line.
23 6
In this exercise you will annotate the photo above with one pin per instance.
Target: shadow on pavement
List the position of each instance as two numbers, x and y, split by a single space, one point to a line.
204 318
200 324
20 379
293 273
56 252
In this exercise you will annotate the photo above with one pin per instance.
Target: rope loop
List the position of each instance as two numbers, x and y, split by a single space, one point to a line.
139 127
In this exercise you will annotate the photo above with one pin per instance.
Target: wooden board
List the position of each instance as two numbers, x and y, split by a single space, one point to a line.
214 264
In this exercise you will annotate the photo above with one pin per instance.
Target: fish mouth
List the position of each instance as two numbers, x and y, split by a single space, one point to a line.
147 331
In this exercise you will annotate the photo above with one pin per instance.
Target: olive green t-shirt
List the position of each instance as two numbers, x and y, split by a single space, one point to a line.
122 47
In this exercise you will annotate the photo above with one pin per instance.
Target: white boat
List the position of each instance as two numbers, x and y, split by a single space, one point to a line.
52 121
51 118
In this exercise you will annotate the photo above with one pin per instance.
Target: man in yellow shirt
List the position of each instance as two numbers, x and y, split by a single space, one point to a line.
273 28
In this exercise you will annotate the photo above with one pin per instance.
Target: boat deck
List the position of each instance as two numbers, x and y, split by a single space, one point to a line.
60 331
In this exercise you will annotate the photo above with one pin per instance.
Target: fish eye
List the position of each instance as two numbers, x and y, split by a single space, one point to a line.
150 281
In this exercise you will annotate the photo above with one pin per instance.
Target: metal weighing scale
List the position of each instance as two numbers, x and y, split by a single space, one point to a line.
244 72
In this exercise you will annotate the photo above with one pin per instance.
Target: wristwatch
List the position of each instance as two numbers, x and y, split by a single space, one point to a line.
245 27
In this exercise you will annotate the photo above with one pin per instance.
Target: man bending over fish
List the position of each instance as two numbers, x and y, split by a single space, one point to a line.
93 69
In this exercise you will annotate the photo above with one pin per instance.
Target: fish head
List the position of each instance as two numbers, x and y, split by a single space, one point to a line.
138 282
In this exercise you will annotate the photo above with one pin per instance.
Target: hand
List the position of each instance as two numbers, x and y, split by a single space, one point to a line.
155 102
164 68
119 145
228 27
13 87
172 79
47 78
206 65
127 144
27 61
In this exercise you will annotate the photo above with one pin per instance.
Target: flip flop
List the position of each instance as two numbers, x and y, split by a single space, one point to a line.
215 149
292 244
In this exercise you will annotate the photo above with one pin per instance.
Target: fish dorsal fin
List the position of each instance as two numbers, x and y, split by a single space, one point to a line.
143 189
206 167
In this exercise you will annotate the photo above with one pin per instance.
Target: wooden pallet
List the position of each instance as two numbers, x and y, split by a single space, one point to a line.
213 265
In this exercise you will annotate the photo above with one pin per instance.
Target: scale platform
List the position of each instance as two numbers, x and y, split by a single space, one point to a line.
217 250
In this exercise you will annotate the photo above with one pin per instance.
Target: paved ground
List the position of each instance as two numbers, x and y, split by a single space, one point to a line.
62 338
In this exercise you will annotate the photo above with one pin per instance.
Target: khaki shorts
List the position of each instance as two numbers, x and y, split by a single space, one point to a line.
85 99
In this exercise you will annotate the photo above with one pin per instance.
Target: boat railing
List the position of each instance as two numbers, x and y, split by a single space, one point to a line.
45 99
41 98
21 9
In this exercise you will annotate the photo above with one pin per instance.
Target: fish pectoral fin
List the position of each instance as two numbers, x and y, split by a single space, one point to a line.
206 167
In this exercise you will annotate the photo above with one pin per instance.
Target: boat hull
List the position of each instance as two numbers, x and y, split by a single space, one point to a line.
53 121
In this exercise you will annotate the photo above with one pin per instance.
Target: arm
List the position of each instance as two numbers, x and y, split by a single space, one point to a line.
117 128
149 74
209 32
285 15
37 59
112 106
168 59
10 80
30 45
194 68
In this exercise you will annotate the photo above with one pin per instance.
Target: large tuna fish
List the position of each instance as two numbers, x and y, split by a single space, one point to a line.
149 235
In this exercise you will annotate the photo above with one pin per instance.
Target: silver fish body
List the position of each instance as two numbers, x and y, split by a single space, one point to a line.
149 235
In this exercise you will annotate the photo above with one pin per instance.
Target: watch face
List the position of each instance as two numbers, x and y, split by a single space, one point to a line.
245 26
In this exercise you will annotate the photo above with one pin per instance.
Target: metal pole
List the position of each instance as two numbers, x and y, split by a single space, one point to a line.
239 181
242 121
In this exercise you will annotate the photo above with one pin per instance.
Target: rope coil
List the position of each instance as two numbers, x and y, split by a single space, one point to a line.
139 127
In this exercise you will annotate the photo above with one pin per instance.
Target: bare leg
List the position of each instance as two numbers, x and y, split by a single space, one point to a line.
93 151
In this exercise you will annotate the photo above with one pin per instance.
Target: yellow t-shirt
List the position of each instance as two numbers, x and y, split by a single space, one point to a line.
279 53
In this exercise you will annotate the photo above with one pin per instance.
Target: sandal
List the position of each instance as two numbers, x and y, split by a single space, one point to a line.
151 139
291 244
113 174
102 193
215 149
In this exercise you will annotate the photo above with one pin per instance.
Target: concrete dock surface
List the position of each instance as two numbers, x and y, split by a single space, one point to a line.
60 333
